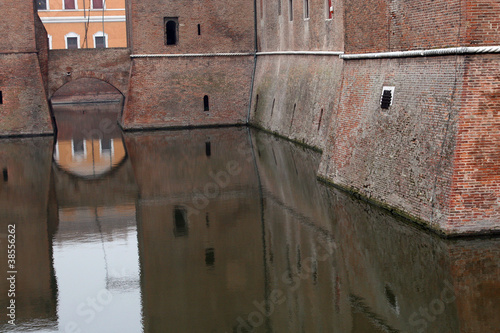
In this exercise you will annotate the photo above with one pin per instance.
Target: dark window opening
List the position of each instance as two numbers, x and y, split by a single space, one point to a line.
306 9
320 117
206 107
41 4
272 108
199 29
106 145
69 4
261 9
208 149
1 97
97 4
171 37
279 7
293 114
100 42
180 222
5 175
207 221
72 42
290 9
386 99
210 257
256 103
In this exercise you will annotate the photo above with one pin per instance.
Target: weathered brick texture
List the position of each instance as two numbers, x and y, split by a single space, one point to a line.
295 96
401 157
108 65
169 92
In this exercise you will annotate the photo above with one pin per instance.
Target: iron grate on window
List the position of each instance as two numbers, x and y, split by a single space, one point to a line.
386 98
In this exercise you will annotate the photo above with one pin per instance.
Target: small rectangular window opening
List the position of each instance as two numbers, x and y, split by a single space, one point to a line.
206 107
210 257
41 4
69 4
306 9
329 9
279 7
97 4
386 98
199 29
100 42
72 42
261 9
290 9
180 222
208 148
1 97
171 30
5 175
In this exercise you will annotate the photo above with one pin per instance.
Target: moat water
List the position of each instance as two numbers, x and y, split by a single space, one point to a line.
216 230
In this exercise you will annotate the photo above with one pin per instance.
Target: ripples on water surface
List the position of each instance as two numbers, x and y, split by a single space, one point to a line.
218 230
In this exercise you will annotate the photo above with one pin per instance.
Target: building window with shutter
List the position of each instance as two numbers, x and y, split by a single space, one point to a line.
97 4
387 97
42 5
100 40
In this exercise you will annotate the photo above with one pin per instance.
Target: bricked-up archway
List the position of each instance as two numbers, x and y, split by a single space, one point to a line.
108 65
86 89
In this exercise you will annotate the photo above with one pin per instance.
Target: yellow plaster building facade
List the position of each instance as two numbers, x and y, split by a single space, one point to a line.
84 23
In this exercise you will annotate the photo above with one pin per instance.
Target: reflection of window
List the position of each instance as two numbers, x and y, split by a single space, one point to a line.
72 41
69 4
78 148
41 5
106 146
180 222
97 4
210 257
171 30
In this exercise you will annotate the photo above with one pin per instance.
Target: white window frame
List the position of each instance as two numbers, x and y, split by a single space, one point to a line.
64 5
50 41
100 34
103 5
71 34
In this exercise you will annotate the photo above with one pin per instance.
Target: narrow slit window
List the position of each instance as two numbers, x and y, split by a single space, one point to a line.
171 30
5 175
261 9
208 148
199 29
387 97
320 117
279 7
206 106
290 9
329 9
306 9
256 103
1 97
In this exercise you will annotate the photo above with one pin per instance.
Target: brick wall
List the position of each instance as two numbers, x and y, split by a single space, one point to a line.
401 157
295 96
166 92
318 32
225 26
483 22
109 65
18 35
474 200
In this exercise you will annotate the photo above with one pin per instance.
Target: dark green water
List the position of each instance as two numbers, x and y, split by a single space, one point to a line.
217 230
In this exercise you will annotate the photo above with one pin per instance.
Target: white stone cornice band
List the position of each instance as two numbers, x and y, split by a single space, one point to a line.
423 53
81 19
190 55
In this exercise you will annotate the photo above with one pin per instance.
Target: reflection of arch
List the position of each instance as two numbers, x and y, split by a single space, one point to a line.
86 89
97 163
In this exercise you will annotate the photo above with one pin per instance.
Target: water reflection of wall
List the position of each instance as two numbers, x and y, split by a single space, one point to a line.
27 201
201 256
383 275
